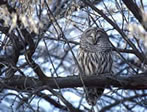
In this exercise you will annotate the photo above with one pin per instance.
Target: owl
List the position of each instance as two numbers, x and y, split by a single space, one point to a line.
94 58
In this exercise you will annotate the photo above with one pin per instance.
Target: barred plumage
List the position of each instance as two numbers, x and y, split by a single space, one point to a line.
94 58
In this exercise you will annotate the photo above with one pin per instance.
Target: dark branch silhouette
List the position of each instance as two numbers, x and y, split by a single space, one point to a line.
135 82
132 6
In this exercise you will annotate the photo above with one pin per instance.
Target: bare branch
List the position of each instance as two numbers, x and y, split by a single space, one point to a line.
135 82
120 102
52 101
132 6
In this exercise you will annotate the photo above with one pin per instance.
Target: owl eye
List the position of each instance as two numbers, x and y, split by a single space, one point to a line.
88 31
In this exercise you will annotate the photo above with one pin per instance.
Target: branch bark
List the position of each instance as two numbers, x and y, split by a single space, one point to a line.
132 6
135 82
117 102
52 101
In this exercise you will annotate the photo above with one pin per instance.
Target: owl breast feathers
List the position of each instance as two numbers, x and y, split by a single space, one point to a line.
94 58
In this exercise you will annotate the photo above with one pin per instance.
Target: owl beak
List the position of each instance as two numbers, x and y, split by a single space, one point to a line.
93 38
96 39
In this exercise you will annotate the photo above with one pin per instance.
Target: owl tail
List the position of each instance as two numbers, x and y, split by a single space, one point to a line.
93 94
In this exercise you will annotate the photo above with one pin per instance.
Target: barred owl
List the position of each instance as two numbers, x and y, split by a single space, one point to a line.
94 58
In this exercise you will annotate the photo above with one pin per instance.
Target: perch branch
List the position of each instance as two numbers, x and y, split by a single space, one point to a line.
135 82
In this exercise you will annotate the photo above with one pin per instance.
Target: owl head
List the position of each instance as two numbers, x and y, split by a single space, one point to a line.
95 39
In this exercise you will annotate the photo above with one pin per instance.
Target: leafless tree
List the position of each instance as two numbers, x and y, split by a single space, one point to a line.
39 41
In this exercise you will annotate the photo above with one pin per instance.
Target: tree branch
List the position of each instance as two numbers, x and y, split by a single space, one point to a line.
135 82
121 101
132 6
52 101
